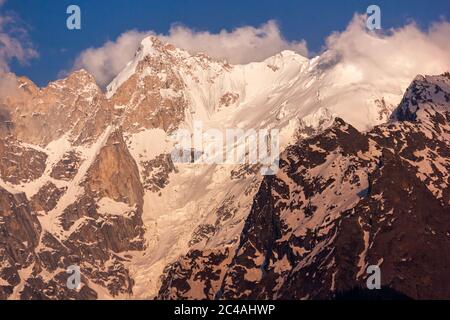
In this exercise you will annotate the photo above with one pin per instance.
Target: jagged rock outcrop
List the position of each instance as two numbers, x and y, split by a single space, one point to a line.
19 236
18 163
157 99
39 116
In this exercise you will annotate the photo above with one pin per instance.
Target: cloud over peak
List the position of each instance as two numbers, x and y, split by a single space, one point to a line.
381 58
395 53
14 44
242 45
14 41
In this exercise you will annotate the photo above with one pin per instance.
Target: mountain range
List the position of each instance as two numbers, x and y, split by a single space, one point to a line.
87 179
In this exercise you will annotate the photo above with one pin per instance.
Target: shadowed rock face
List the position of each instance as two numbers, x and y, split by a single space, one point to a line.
343 200
47 198
19 163
67 168
156 172
19 236
5 121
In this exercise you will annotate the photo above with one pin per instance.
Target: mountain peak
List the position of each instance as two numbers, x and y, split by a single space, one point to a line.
154 46
424 93
287 53
149 45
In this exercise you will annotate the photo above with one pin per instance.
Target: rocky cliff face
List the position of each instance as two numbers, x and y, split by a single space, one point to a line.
73 193
40 116
87 180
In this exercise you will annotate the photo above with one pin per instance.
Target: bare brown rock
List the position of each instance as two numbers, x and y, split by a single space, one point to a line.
115 174
18 163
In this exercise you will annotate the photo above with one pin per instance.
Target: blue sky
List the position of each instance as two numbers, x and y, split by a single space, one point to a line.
106 20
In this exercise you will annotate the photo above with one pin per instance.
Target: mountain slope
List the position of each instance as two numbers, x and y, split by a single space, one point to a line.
90 174
343 200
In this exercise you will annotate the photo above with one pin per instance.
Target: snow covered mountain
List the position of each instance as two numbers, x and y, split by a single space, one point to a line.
343 200
87 179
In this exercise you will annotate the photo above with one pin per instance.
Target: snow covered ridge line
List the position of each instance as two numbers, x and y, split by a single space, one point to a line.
233 146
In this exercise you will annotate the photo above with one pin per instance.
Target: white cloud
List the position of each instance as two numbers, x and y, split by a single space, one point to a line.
106 62
383 58
242 45
380 57
14 44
